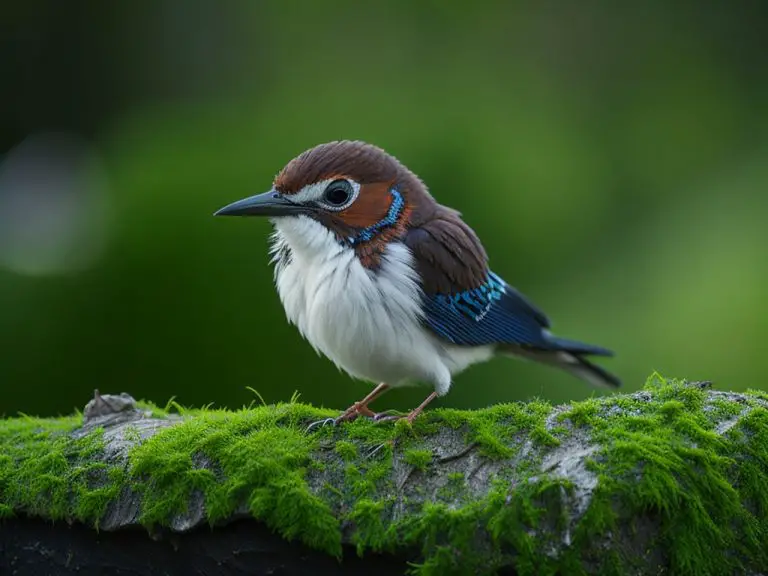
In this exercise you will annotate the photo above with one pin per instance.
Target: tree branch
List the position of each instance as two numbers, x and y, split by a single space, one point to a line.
669 478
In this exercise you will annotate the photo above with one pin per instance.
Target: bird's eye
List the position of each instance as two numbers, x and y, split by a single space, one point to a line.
338 193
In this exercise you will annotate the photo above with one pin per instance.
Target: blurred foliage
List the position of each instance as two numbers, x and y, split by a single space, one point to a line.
612 157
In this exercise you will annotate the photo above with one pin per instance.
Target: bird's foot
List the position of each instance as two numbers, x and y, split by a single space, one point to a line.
377 449
395 417
410 417
319 424
357 409
389 416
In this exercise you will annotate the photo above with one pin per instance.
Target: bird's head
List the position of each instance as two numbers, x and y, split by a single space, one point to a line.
356 191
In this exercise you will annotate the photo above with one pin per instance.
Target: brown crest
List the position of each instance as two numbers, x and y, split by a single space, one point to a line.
362 162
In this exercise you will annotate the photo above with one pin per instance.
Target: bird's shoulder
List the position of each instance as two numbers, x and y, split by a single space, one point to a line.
449 255
465 301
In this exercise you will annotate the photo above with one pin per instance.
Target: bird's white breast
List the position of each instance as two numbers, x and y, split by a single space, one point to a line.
367 322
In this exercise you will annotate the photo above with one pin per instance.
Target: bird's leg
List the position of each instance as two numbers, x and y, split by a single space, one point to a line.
357 409
413 414
361 407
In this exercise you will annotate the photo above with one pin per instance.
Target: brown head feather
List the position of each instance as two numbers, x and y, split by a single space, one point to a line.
362 162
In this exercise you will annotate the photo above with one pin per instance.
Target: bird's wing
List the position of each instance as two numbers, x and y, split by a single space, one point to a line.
464 301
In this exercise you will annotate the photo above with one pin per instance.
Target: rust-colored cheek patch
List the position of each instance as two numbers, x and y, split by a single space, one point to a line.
370 207
370 253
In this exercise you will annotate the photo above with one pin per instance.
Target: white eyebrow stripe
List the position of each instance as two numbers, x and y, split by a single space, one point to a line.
314 192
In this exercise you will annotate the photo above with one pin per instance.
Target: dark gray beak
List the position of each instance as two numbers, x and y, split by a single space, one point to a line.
270 203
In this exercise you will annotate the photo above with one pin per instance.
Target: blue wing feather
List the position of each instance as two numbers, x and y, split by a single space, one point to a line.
493 313
468 305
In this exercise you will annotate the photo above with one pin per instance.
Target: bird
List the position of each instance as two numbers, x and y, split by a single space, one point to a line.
390 285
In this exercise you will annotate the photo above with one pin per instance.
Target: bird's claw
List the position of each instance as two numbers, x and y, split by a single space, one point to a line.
371 453
321 423
387 418
355 411
347 416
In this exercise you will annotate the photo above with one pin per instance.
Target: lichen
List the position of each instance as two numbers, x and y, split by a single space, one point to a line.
681 470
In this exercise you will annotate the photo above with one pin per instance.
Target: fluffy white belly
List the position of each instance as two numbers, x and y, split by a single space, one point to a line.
367 323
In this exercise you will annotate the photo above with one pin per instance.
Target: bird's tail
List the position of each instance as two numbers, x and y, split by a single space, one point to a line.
569 355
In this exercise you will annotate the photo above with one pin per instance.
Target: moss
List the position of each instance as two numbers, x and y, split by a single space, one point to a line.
581 413
156 411
347 450
446 536
357 482
658 460
760 394
496 429
419 459
514 515
454 489
541 436
260 461
5 511
48 474
750 472
456 478
132 434
723 409
370 530
662 458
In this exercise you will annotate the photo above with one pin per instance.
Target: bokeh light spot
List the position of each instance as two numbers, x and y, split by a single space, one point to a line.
54 206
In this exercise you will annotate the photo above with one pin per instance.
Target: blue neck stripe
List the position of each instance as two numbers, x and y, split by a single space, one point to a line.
395 209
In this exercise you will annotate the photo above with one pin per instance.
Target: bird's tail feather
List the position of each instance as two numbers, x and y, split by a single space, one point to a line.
575 347
592 373
569 355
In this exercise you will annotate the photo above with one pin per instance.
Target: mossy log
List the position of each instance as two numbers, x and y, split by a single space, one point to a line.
670 479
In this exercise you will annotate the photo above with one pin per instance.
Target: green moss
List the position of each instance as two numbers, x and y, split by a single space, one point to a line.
347 450
261 461
446 536
5 511
514 515
662 458
496 430
723 409
370 530
541 436
455 488
132 434
419 459
761 394
155 410
359 484
659 460
750 471
581 413
456 478
41 469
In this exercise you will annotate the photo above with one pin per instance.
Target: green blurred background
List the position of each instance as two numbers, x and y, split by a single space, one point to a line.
612 156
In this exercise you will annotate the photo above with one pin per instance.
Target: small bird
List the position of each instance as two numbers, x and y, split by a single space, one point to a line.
391 286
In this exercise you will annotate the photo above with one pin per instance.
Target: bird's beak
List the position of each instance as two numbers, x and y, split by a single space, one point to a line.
270 203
